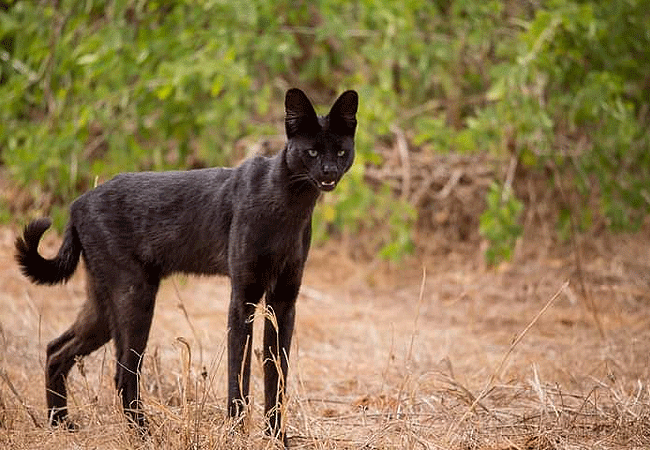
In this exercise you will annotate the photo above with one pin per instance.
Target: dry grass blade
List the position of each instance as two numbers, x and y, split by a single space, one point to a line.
552 383
12 388
577 252
417 314
409 354
505 357
181 305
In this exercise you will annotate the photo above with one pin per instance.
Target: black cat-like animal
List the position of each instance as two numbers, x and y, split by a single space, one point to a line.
252 223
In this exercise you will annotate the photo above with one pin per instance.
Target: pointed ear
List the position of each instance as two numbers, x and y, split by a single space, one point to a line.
299 113
343 113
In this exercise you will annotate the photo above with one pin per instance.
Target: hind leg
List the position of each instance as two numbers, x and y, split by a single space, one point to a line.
89 332
131 332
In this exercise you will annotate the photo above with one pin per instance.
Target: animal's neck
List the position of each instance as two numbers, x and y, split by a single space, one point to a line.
299 192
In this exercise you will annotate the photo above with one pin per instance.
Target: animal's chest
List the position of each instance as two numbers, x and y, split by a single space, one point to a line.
264 249
279 245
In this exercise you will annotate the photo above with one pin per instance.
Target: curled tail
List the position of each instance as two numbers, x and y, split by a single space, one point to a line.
47 271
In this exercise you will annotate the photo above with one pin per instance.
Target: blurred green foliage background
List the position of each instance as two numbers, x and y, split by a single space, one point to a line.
95 87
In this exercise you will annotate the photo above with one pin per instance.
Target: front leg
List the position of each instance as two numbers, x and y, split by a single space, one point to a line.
243 299
278 330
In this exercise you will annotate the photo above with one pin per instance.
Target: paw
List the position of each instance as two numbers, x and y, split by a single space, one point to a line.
139 423
277 434
59 419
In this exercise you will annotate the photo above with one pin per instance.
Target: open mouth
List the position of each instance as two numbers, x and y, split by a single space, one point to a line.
326 185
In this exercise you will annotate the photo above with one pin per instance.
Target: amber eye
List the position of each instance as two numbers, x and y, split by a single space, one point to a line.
313 153
341 153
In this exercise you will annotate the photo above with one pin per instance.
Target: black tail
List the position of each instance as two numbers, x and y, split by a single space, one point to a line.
47 271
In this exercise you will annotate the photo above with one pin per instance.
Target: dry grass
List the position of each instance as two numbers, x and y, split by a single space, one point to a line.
459 358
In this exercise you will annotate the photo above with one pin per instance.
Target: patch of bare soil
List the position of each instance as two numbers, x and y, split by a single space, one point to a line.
437 352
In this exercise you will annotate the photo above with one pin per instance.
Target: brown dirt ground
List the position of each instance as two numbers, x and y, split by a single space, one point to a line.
376 362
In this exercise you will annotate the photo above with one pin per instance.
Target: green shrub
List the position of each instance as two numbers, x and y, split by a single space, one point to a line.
95 87
578 93
499 224
92 88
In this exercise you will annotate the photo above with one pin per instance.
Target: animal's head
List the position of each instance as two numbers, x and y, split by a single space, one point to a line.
320 149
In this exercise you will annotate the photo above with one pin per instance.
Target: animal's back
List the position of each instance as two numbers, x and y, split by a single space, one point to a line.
175 221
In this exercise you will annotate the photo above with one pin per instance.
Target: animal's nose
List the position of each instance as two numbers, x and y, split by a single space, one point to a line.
329 170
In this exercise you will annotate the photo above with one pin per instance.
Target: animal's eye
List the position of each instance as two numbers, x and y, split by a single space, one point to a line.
340 153
313 153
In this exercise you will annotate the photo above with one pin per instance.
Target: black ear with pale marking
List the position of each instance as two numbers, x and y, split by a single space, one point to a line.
343 113
300 115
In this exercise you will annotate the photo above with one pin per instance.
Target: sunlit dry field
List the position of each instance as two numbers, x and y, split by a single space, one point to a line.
437 352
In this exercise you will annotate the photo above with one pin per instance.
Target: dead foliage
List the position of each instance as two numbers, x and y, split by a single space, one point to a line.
437 352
